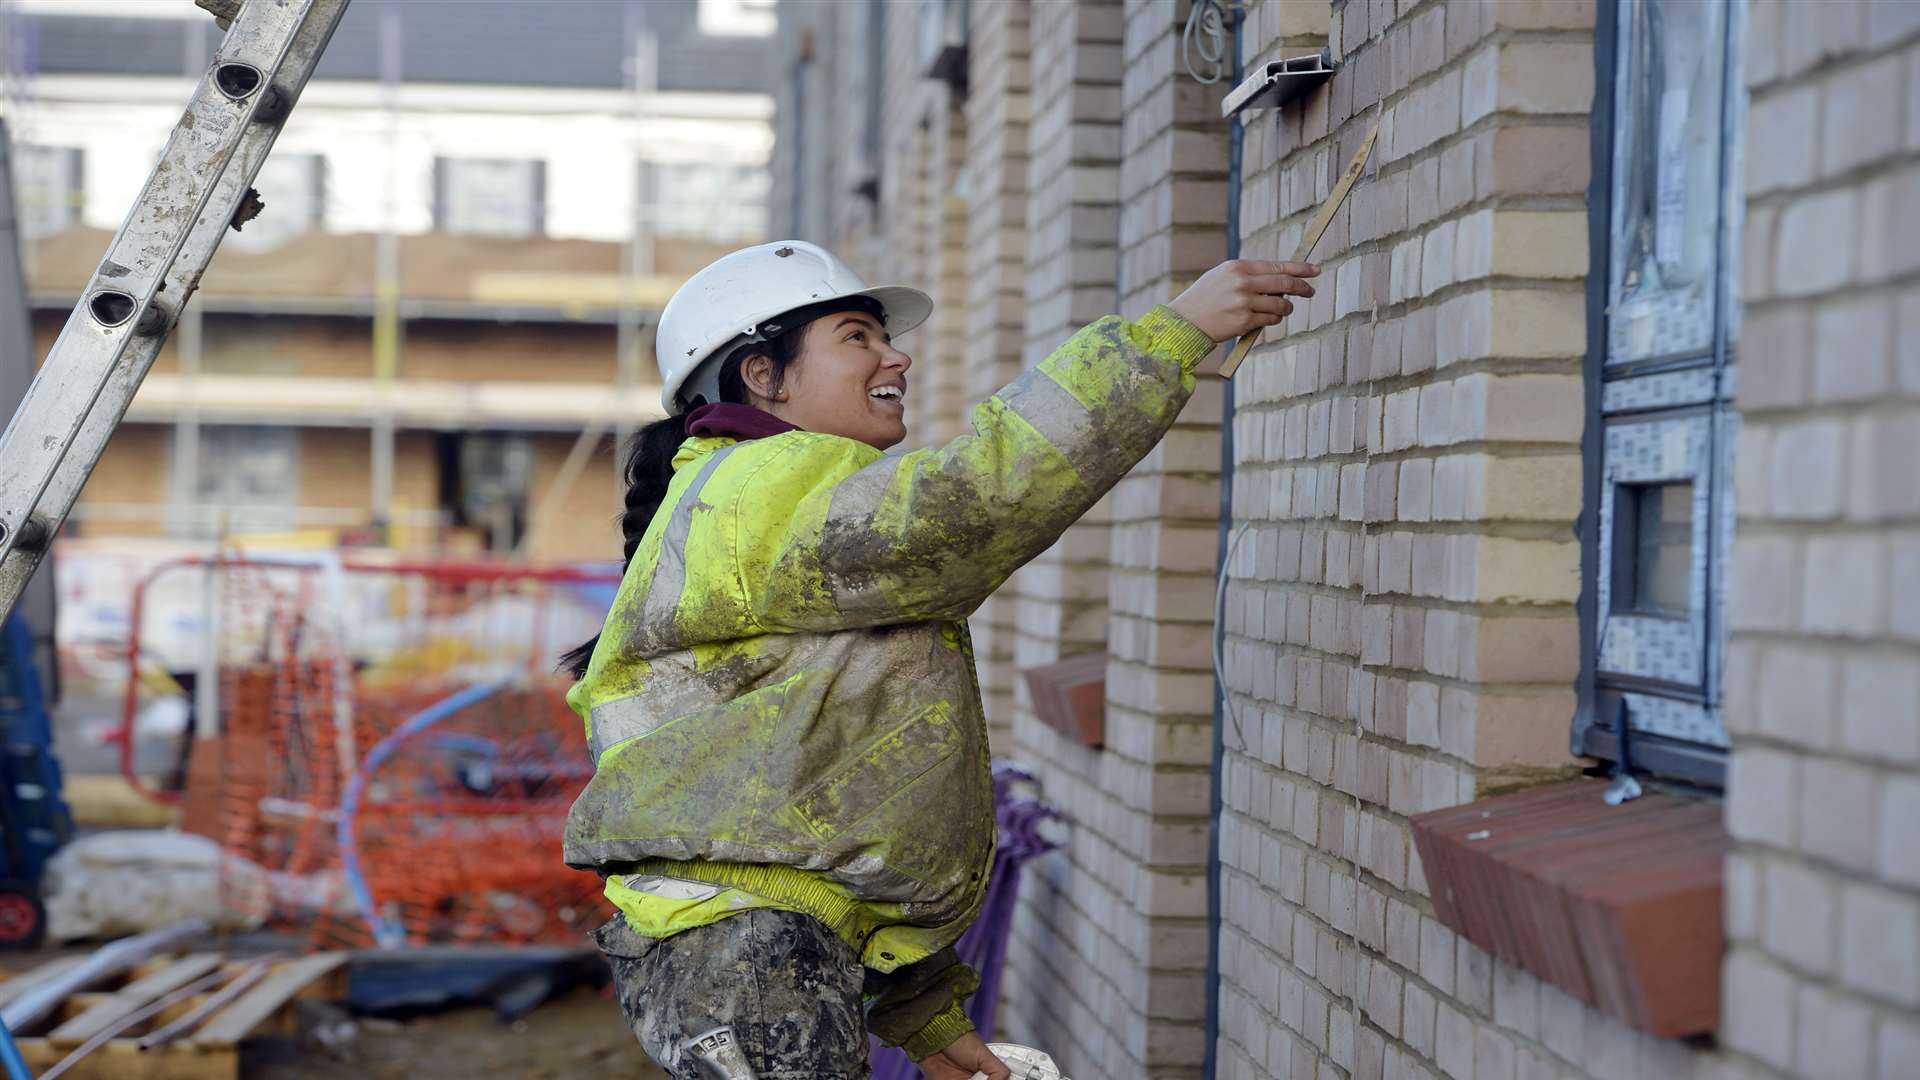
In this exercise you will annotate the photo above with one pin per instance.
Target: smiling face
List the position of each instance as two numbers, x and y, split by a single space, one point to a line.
847 380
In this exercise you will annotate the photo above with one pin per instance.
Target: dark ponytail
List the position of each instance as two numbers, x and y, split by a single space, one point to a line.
649 466
647 472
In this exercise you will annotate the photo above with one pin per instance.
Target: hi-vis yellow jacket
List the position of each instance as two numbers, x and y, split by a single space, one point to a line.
783 701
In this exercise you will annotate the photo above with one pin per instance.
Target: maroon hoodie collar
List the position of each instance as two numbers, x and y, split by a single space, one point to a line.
735 421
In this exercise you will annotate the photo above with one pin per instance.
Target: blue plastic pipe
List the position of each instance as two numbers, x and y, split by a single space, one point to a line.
387 934
10 1057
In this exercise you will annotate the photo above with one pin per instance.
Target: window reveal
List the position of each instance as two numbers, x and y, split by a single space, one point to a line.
1666 206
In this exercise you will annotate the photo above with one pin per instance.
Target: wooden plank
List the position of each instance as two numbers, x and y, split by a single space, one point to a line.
133 997
22 983
233 1023
122 1059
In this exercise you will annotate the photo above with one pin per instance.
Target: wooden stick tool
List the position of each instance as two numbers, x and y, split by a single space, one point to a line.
1316 227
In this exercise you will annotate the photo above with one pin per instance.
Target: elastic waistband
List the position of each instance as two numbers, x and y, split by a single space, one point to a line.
784 885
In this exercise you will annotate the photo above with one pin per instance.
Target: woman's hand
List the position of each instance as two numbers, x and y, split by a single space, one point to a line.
964 1058
1243 295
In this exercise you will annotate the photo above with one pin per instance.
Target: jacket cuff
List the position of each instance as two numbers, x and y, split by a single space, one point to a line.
939 1033
1168 333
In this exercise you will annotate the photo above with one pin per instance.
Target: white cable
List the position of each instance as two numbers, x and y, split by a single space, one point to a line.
1207 19
1220 632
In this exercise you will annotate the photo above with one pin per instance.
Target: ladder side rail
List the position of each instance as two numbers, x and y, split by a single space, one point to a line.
83 390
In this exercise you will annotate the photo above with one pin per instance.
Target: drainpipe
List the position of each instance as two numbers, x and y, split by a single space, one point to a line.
1236 139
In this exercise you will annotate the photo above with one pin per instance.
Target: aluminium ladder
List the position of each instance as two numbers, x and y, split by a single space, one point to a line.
202 183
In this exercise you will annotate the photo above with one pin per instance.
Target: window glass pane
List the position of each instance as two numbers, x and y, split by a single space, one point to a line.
707 200
247 477
46 188
1653 548
485 197
1667 191
496 470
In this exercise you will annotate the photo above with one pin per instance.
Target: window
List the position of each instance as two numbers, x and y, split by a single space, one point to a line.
293 189
489 197
707 200
868 66
1663 327
485 479
943 41
247 479
47 188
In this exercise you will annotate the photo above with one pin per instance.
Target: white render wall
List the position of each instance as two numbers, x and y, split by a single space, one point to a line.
380 164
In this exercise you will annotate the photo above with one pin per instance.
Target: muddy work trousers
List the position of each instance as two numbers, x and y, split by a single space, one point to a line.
765 994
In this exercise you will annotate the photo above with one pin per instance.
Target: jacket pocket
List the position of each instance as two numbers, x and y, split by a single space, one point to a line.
879 771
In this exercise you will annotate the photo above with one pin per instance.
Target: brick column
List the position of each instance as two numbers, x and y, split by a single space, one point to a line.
1056 984
1402 633
1117 928
995 185
1823 676
1072 234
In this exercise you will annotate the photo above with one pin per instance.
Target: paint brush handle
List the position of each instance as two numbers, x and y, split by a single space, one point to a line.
1316 228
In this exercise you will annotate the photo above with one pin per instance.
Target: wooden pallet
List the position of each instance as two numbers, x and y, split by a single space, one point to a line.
211 1051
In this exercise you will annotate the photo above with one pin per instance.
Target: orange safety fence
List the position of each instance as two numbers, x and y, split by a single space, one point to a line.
457 832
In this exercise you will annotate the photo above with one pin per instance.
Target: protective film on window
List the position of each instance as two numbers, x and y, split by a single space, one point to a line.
1667 185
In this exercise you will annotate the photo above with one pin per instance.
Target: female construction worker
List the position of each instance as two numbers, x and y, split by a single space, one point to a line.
791 802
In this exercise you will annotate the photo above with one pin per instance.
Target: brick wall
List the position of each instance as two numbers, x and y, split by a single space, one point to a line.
1401 625
1823 976
994 185
1400 622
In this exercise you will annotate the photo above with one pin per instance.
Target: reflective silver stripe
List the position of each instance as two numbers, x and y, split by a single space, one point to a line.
624 718
670 572
1062 420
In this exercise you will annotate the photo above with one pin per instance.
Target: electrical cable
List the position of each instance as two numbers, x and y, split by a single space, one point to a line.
1219 634
1206 32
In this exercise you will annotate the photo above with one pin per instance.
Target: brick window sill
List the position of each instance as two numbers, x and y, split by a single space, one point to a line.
1071 697
1618 906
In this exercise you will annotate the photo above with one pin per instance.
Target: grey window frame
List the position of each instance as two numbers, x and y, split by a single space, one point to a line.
1600 694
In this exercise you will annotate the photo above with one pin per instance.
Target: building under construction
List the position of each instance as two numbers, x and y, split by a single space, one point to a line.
1509 671
473 216
1598 416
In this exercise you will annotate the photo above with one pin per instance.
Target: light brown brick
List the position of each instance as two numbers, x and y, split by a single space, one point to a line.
1889 201
1786 123
1541 14
1762 795
1858 127
1899 856
1879 937
1834 1037
1757 1008
1514 160
1826 222
1545 77
1843 589
1840 825
1853 349
1880 708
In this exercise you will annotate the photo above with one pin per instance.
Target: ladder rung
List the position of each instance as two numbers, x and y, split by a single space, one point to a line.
152 268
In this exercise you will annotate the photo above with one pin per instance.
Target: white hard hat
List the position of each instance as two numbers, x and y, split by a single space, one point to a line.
727 303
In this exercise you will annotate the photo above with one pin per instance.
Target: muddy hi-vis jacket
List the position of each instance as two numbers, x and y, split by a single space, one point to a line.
783 701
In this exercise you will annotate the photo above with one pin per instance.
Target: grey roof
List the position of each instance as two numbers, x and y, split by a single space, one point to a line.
573 43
